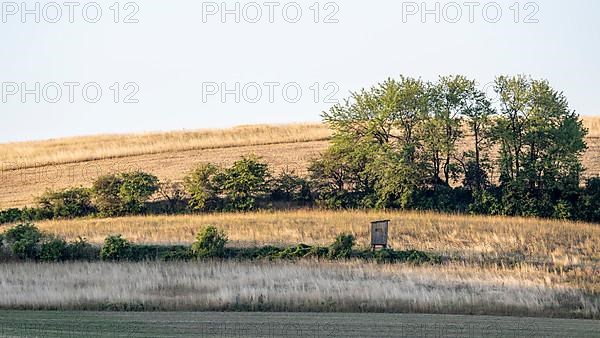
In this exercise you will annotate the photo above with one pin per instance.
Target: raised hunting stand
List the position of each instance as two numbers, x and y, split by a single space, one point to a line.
379 234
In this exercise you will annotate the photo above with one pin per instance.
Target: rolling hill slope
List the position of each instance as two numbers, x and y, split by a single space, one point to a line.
29 168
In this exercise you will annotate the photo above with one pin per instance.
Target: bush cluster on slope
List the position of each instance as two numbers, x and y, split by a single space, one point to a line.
26 242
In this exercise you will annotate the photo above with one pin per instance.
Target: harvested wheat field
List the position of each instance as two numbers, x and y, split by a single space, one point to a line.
90 148
27 169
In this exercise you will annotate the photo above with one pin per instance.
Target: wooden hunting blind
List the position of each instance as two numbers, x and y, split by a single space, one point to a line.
379 233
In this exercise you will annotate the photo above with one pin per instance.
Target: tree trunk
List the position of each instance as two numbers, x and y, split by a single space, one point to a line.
447 170
478 182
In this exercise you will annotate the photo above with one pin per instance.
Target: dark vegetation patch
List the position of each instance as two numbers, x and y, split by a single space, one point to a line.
24 242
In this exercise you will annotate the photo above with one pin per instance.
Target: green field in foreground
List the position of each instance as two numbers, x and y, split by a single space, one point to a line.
249 324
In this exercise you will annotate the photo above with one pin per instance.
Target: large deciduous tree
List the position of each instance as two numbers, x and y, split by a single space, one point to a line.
375 130
398 144
542 141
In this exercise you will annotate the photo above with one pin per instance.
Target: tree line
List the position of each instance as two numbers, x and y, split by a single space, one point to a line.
248 184
402 144
410 144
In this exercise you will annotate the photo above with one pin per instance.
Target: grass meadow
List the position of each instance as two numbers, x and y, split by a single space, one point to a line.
292 286
464 235
568 252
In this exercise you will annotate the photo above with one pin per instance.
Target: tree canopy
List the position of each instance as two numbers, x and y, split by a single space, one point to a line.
408 143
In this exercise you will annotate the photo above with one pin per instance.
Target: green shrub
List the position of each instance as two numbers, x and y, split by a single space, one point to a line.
80 249
272 252
176 254
342 247
35 214
154 252
416 256
410 256
267 251
136 189
10 215
115 248
339 177
68 203
173 199
236 188
23 240
589 209
562 210
202 184
288 187
53 250
243 183
485 202
24 215
123 193
298 251
105 192
318 252
210 242
385 256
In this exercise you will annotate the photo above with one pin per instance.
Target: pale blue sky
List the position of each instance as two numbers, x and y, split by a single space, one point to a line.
172 55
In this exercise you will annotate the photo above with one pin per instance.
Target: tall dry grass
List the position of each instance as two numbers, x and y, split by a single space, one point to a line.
89 148
559 242
301 286
567 248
